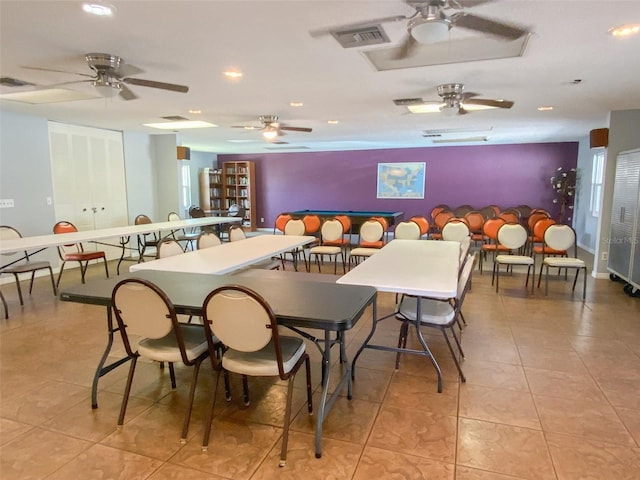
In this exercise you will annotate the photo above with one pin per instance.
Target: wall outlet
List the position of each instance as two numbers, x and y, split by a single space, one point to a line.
605 256
6 203
261 219
49 201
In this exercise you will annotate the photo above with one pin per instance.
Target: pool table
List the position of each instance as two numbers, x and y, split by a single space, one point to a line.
357 217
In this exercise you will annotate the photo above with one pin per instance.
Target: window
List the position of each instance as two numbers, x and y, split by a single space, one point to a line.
185 186
597 178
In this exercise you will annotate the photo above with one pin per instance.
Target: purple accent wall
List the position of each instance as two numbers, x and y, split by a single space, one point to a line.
505 175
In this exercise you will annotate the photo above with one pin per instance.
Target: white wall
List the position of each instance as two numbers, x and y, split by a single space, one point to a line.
140 174
165 165
585 224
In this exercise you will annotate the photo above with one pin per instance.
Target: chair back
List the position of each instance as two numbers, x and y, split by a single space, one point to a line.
540 227
236 233
295 226
173 217
236 210
488 212
196 212
422 222
510 215
456 231
534 217
67 227
442 218
312 224
371 233
207 239
332 230
512 235
168 248
345 221
242 320
10 233
462 210
523 210
464 280
560 237
475 220
281 221
383 221
142 220
491 226
437 209
408 230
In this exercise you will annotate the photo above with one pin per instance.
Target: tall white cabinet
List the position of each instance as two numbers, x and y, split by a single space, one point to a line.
624 242
89 181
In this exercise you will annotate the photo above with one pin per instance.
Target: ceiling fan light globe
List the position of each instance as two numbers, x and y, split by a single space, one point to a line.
107 89
270 133
431 31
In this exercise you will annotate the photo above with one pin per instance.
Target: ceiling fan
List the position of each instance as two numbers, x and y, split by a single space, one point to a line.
271 128
454 101
110 77
431 23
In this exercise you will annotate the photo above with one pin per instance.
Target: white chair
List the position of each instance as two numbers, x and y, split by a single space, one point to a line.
22 265
408 230
295 226
514 237
168 248
207 240
562 238
437 313
331 232
371 234
142 309
455 231
236 232
182 235
245 323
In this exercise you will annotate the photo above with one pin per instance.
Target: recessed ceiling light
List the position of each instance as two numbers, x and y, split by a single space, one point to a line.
332 122
48 95
98 8
195 111
625 30
545 108
180 125
296 104
425 108
232 74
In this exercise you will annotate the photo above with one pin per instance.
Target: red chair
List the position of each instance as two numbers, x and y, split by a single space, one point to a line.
74 252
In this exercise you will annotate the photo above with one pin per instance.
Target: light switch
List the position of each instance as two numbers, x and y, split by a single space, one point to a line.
6 203
49 201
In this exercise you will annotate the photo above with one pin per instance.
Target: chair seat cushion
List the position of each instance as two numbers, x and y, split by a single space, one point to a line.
166 349
325 250
337 243
263 363
82 256
376 244
564 262
548 251
493 247
514 259
432 312
363 252
26 267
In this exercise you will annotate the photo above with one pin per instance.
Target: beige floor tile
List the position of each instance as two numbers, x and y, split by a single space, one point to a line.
563 384
565 360
10 429
579 458
631 420
494 374
378 463
496 405
505 449
175 472
466 473
419 394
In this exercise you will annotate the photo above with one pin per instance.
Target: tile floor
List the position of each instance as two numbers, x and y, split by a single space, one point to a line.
552 392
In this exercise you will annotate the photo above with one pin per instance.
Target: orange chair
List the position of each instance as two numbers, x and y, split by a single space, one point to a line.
462 210
510 215
440 221
312 224
74 252
490 231
475 220
345 241
281 221
539 230
488 212
437 209
385 225
423 223
496 209
531 222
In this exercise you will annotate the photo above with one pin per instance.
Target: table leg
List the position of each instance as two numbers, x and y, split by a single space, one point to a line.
425 346
101 369
366 341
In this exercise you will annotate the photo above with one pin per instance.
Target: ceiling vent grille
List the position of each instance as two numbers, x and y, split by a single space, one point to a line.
290 147
360 37
403 102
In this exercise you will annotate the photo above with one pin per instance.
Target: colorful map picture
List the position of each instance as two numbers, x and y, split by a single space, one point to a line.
401 180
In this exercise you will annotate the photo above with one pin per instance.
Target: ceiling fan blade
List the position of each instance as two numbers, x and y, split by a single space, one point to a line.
295 129
56 85
248 127
462 111
490 103
43 69
126 93
352 26
407 48
460 4
153 84
486 25
466 95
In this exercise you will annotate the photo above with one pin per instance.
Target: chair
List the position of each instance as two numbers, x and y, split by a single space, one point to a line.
456 230
439 314
236 210
475 220
332 233
371 235
295 226
184 236
537 239
74 252
312 224
281 221
536 233
488 212
22 265
146 240
407 230
439 222
168 247
462 210
423 223
143 309
243 321
514 237
385 226
510 215
490 231
437 209
344 241
562 238
236 232
207 239
197 212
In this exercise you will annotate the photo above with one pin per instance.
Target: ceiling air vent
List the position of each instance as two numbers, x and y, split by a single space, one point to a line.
361 36
14 82
290 147
175 118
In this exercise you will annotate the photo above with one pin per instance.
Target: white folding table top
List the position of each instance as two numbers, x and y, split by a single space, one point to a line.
52 240
426 268
228 257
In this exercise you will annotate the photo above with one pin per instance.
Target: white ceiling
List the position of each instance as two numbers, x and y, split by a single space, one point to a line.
193 42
